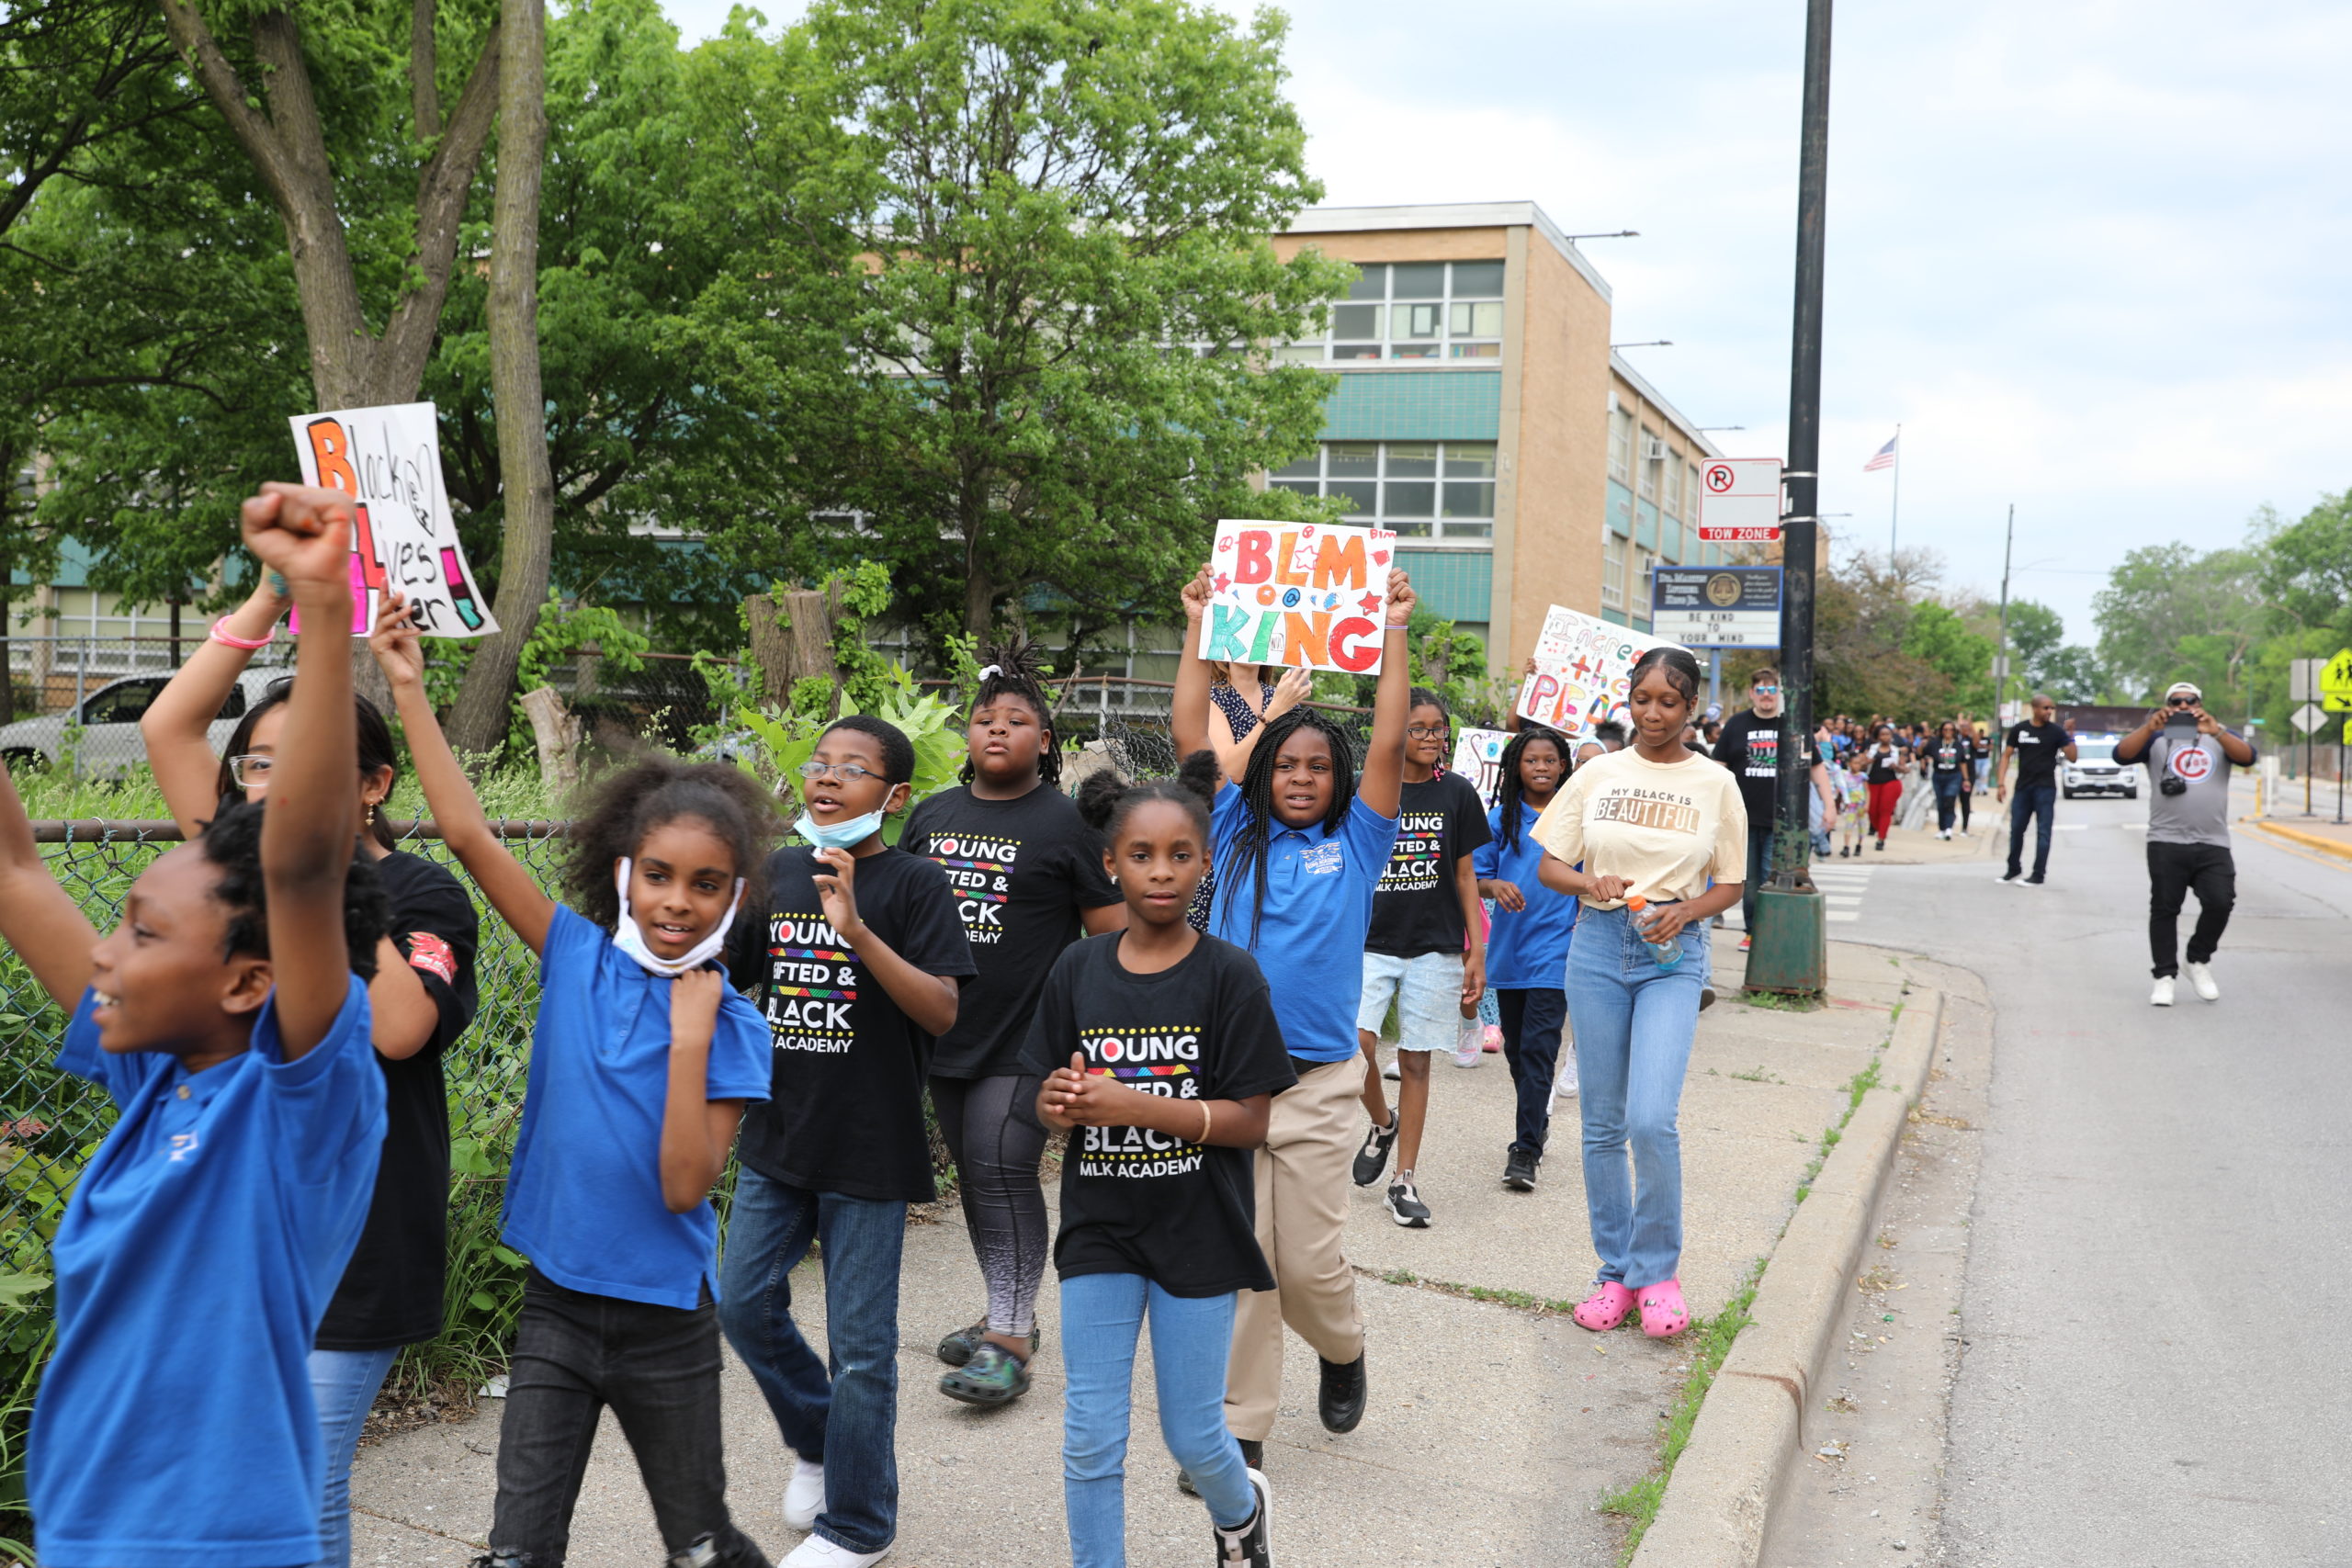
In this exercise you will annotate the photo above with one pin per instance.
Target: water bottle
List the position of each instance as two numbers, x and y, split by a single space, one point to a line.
1667 953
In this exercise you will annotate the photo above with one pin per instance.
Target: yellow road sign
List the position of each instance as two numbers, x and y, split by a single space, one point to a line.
2336 682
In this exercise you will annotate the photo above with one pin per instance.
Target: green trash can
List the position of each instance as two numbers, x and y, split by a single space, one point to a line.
1789 951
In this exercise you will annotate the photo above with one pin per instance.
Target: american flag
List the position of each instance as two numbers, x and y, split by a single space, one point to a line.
1883 458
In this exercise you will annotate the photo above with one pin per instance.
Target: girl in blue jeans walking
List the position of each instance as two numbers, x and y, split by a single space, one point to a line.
1659 822
1160 1058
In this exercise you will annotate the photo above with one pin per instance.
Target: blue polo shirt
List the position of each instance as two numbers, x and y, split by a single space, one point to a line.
1317 911
583 1201
175 1427
1527 951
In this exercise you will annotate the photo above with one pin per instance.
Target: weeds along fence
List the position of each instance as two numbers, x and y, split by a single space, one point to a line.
51 1123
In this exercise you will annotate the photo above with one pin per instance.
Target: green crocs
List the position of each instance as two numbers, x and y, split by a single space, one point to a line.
993 1376
957 1347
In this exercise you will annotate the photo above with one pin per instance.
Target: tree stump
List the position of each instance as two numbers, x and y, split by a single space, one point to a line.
792 638
556 731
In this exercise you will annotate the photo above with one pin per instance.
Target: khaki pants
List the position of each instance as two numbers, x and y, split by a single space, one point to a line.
1302 1184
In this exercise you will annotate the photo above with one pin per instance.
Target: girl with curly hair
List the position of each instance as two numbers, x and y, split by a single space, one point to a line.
642 1060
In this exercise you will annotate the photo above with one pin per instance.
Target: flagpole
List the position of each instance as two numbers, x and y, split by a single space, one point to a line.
1894 505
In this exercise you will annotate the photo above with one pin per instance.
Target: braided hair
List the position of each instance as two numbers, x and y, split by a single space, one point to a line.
1257 785
1508 792
1014 670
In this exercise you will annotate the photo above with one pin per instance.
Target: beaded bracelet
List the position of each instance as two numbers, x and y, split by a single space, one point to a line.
227 639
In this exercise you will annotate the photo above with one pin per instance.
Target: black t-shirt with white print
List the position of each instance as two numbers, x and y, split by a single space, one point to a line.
1417 909
2037 747
1021 871
844 1108
1178 1214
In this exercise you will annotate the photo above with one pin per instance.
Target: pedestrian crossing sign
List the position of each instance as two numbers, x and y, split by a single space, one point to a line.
2336 682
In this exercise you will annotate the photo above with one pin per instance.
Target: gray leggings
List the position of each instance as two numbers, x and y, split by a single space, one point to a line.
992 1130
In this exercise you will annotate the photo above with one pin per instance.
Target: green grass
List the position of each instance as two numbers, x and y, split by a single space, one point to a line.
1546 1305
1779 1002
1709 1341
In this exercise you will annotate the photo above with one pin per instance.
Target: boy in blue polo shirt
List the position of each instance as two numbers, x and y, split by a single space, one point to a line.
227 1016
1298 845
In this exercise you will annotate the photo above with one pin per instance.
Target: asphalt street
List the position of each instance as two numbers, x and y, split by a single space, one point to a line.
2155 1370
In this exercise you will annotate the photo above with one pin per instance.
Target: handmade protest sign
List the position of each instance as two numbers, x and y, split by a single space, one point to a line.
1583 667
389 461
1306 593
1478 757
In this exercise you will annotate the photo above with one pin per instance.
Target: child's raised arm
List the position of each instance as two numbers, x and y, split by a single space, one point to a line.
37 918
175 723
1381 784
1187 706
312 816
513 892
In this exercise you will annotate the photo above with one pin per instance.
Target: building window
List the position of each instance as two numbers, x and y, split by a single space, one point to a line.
1671 500
1690 489
1638 590
1649 465
1424 489
1612 572
1620 445
1412 312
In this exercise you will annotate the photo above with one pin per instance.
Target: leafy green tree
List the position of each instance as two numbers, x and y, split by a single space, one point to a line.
2306 569
2071 674
2035 633
1939 640
2159 595
1002 321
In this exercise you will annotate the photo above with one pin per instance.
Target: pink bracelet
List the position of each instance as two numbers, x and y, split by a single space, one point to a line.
226 639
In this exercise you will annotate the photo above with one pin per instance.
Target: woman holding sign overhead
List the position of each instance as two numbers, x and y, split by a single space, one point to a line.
1299 846
421 997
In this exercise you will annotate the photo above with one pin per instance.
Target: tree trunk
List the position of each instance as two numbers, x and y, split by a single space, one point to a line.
479 719
556 729
792 638
979 598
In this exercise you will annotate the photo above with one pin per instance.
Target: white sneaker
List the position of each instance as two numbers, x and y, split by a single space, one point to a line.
2162 993
804 1496
1392 1071
1564 1085
2200 976
819 1553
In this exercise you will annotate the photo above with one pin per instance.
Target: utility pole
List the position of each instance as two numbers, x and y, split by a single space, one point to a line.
1800 525
1789 952
2001 659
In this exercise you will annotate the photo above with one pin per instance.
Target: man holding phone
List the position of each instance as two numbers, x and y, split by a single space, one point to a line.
2037 745
2189 756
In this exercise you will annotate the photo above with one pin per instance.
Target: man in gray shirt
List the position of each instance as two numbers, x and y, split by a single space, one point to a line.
2189 756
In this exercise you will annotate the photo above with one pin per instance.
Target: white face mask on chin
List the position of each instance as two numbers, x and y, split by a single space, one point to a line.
630 939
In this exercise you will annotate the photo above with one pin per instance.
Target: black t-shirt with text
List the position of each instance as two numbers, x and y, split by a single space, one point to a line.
1952 757
1885 759
1417 908
1750 747
391 1289
845 1111
1178 1214
2038 748
1021 871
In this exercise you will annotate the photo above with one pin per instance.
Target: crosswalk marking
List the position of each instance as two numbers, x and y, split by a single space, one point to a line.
1842 888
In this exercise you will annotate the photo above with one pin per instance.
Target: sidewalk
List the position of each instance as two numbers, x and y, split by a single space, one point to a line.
2322 833
1493 1429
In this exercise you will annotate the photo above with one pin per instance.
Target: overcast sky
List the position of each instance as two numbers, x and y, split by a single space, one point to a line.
2089 254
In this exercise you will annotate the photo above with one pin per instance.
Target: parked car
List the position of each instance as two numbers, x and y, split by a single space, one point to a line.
2094 770
109 744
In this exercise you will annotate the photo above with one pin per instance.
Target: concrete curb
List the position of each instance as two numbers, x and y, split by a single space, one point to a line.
1750 1431
2308 840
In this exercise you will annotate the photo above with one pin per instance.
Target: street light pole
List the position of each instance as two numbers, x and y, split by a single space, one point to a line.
2001 659
1801 526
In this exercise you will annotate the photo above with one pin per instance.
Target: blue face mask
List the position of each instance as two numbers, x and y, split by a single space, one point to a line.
840 835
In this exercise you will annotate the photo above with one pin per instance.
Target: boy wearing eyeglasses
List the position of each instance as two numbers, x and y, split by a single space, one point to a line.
2189 756
857 969
1750 747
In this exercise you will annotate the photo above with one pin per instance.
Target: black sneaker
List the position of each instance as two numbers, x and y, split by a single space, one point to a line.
1253 1455
1519 1171
1341 1401
2012 876
1405 1206
1706 997
2033 881
1246 1547
1373 1159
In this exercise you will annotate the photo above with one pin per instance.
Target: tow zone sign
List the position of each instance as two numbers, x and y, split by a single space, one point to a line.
1739 499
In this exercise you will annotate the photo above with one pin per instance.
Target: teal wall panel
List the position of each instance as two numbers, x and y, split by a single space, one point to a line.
1457 584
1645 525
1621 510
1414 405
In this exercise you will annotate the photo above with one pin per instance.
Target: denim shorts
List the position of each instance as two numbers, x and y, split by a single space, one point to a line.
1428 992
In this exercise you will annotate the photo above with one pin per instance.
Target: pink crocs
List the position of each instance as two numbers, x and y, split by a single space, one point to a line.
1663 1313
1605 1308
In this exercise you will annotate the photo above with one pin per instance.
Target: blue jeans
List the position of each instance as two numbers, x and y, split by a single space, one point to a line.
1102 1316
1947 800
840 1412
2032 801
342 1385
1633 1023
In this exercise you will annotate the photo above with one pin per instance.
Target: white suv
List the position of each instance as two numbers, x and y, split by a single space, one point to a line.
110 745
2094 770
